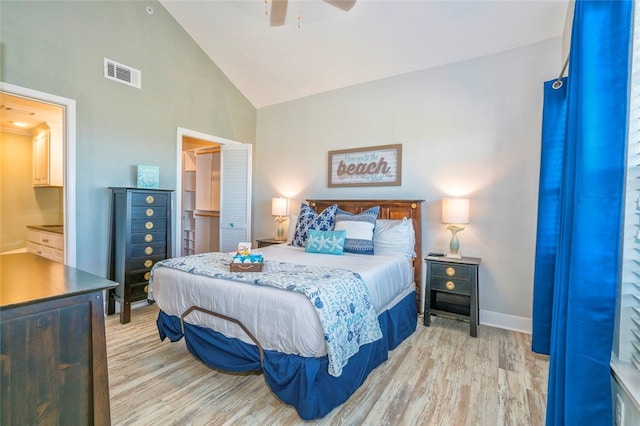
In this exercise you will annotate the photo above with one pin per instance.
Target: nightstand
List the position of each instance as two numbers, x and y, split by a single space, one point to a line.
264 242
452 289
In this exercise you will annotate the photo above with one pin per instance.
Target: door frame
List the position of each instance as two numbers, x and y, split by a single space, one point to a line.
204 137
69 157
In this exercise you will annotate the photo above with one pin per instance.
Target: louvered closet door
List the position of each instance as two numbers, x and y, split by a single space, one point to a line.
235 196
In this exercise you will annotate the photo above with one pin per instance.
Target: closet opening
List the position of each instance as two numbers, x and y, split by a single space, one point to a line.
200 193
213 199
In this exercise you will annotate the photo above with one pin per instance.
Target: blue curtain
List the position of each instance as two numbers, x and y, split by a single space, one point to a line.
580 213
554 122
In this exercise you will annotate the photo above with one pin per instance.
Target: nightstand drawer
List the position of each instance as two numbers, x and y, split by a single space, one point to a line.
451 285
460 272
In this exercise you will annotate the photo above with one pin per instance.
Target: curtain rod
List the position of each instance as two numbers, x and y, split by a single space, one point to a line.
558 83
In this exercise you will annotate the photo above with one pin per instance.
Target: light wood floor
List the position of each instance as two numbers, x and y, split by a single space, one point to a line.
439 376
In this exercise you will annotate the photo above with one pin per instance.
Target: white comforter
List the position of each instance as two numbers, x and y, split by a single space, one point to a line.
280 320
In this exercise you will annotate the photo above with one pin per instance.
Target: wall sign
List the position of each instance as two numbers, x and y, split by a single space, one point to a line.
371 166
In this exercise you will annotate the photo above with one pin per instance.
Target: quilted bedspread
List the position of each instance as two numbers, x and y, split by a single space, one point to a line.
339 296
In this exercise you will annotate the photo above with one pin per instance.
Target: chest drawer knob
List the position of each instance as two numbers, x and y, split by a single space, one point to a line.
450 285
149 199
450 271
148 238
147 275
149 212
146 288
148 263
148 225
148 250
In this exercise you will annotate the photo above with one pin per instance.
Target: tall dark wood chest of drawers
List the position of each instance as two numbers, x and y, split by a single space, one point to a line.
140 237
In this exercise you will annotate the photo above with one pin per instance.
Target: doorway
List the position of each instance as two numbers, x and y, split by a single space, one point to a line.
221 232
200 196
68 130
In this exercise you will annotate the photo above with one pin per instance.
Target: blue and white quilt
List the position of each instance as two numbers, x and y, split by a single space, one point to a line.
339 296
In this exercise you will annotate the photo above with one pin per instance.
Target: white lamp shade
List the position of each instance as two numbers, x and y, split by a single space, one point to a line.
279 206
455 210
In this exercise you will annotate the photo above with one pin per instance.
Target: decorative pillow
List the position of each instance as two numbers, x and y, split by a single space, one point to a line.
359 229
308 219
327 242
394 237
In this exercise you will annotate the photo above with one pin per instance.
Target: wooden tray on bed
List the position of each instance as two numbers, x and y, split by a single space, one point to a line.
246 267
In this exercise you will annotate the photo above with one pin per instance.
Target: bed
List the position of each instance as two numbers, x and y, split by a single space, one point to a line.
238 326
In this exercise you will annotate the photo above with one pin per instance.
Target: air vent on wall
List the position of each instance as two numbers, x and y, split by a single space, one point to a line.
122 73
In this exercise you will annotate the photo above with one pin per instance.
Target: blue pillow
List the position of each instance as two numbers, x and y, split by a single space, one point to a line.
359 229
327 242
309 219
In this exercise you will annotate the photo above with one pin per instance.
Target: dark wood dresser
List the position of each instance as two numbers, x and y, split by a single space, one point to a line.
140 237
53 354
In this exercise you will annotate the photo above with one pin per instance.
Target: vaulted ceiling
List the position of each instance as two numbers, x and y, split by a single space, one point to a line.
332 48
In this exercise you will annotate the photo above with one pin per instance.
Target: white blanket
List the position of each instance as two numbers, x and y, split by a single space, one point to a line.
281 320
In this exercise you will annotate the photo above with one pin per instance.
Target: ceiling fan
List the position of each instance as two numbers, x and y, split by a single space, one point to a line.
279 9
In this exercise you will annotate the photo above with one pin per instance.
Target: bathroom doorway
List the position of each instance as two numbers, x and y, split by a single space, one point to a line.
40 102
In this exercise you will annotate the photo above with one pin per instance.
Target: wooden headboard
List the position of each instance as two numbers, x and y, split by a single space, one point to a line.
389 209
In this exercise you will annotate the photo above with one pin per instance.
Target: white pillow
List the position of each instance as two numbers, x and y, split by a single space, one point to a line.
293 219
394 237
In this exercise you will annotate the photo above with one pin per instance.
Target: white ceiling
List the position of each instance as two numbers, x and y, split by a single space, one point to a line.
21 115
375 39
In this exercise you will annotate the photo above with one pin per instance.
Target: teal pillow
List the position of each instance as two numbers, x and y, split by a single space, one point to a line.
327 242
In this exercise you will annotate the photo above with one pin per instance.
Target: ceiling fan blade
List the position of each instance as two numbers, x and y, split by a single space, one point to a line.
278 12
345 5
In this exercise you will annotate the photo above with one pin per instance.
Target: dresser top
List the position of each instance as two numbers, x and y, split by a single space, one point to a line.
126 188
26 278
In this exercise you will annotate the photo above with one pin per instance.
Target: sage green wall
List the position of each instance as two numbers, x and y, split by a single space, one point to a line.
20 203
58 47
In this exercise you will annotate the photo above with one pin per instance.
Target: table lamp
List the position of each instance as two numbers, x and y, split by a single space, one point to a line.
455 213
280 209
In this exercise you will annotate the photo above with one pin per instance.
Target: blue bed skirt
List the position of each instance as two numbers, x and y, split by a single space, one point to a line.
302 382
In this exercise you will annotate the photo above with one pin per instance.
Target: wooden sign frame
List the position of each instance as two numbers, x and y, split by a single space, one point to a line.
371 166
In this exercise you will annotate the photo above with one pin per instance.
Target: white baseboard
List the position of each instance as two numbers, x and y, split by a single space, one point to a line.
508 322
